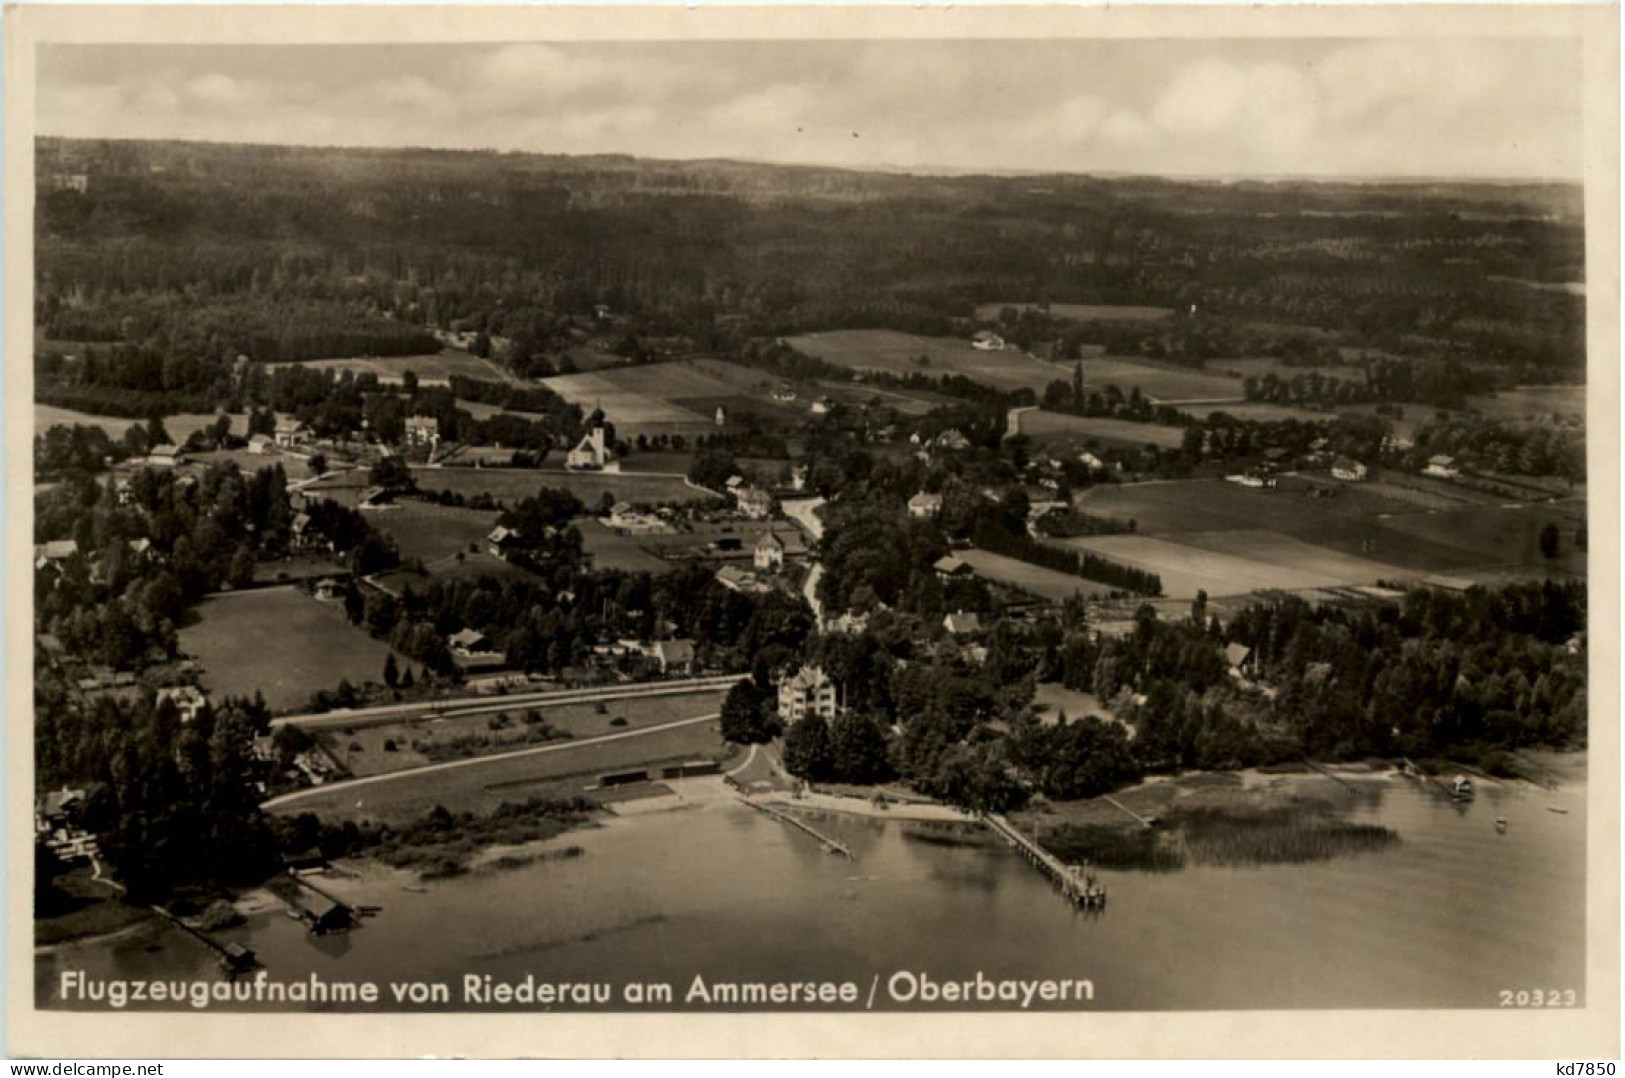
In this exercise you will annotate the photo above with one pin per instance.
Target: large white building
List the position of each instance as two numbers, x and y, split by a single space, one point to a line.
807 692
590 452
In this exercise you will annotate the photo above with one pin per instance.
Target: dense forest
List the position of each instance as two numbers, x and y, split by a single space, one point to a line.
280 253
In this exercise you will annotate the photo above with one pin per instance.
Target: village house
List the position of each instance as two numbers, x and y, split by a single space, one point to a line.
260 444
849 623
754 502
590 453
1349 471
823 406
985 340
1238 657
806 693
961 623
1089 460
784 394
289 432
166 456
623 517
328 590
188 700
501 540
54 553
949 568
769 553
673 656
923 506
469 642
422 430
1442 467
952 439
742 580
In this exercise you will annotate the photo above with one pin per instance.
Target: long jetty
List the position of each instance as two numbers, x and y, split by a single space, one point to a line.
830 844
1145 821
1079 892
233 958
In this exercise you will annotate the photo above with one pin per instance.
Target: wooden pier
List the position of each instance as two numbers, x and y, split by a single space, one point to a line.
1144 821
830 844
1073 884
322 913
234 957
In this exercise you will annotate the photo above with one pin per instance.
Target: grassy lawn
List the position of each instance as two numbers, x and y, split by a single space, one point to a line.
1045 583
294 467
433 532
485 785
415 740
1049 428
77 906
1163 382
637 397
895 353
611 550
1081 312
435 368
180 426
281 642
511 484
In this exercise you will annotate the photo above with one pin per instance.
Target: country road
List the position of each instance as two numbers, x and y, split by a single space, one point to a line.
435 709
476 761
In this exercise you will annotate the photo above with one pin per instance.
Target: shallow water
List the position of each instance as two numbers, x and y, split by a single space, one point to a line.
1447 917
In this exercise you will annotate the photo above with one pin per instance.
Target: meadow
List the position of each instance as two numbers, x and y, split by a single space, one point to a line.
1045 583
281 642
432 532
1081 312
415 743
895 353
180 426
611 550
511 484
1049 428
484 785
433 369
1164 383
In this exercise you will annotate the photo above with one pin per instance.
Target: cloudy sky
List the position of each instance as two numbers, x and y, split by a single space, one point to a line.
1458 107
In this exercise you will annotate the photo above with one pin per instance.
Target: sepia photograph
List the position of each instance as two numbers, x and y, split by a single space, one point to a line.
749 523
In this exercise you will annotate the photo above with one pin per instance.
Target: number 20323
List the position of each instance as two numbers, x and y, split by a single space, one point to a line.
1539 997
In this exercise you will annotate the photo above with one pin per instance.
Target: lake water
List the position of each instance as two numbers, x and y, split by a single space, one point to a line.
1447 917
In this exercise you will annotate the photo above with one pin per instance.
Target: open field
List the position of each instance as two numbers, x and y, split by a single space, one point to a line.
1051 699
1081 312
293 466
1165 383
1045 583
1186 568
1532 402
484 785
1259 412
894 353
637 399
282 642
435 369
611 550
1047 428
180 426
1368 528
511 484
362 749
1258 367
433 532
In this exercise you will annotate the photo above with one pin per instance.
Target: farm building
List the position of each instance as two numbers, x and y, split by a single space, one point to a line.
949 567
422 430
470 642
1442 467
1238 658
328 590
742 580
290 432
166 455
260 443
187 699
54 552
754 502
952 439
924 506
987 341
769 553
623 517
808 692
823 406
501 540
673 656
1350 471
590 453
960 623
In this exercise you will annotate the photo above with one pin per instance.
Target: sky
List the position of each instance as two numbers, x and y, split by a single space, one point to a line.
1458 107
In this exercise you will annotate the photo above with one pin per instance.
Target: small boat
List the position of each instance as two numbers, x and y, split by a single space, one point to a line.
1559 811
1501 824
